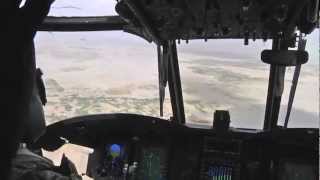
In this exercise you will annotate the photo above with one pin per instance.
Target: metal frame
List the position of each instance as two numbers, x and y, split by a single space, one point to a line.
162 75
103 23
175 84
275 89
168 67
169 73
143 20
295 80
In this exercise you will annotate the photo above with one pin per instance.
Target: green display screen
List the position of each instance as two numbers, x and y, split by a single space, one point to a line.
152 164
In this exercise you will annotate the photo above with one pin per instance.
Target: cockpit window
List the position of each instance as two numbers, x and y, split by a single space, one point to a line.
83 8
115 72
225 75
98 72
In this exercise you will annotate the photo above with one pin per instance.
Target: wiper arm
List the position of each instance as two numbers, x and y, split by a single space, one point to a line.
275 89
169 73
163 73
174 82
301 47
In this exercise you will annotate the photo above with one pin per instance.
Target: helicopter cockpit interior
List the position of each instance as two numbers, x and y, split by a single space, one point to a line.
138 147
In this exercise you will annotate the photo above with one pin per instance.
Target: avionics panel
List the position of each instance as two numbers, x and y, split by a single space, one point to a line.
152 163
220 159
296 170
124 161
108 162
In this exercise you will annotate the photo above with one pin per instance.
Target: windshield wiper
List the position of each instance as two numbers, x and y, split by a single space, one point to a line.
275 89
301 47
168 67
174 82
163 75
279 58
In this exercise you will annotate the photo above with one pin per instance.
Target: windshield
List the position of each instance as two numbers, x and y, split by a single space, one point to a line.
225 74
106 72
98 72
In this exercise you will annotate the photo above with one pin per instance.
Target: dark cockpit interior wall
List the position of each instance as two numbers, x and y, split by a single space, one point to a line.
130 146
18 28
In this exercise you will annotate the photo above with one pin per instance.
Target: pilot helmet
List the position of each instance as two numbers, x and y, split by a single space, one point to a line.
35 125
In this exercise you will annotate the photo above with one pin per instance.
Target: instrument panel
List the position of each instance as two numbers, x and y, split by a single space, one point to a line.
220 159
134 147
153 163
108 162
130 162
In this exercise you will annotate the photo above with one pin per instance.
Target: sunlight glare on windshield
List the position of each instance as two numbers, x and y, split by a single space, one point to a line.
83 8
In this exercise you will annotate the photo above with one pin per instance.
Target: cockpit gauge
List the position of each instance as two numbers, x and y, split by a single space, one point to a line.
113 163
153 164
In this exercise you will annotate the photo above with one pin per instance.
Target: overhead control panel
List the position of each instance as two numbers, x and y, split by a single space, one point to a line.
216 19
